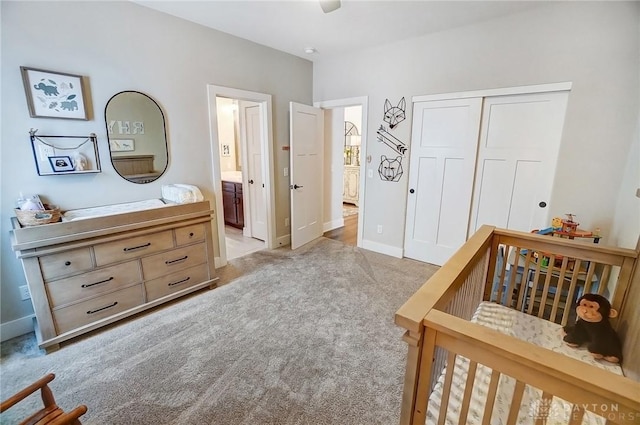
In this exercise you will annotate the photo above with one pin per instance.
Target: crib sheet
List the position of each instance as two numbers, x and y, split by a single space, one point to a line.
105 210
525 327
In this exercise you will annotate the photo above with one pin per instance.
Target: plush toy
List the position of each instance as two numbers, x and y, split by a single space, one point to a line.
593 328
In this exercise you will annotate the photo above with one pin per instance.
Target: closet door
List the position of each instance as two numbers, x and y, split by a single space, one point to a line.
519 143
442 163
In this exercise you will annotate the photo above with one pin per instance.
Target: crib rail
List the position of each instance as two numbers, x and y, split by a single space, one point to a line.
538 275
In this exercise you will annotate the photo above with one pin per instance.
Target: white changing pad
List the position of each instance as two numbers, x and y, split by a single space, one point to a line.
105 210
525 327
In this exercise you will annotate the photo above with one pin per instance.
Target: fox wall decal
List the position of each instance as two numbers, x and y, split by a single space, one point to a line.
394 115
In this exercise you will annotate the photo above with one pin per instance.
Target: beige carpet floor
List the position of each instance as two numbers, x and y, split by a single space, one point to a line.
304 337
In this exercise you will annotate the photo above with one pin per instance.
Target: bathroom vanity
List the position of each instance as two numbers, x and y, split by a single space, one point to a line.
97 269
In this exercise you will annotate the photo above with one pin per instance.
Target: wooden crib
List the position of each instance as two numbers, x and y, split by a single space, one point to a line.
539 278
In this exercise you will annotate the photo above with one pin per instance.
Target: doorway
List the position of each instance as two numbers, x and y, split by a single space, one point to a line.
241 146
345 159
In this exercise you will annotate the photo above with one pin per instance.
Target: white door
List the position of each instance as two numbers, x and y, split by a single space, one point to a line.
519 142
257 212
442 163
306 149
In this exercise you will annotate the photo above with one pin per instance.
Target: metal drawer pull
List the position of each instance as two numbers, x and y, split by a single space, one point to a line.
115 303
137 247
175 261
67 263
178 282
87 285
191 234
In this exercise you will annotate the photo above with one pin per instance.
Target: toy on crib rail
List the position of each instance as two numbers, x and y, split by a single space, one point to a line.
593 328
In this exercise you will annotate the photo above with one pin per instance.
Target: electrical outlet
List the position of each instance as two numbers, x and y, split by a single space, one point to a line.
286 222
370 173
45 151
380 228
285 171
24 292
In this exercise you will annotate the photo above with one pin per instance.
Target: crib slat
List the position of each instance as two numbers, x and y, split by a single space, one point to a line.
515 403
503 270
446 389
576 415
556 299
590 272
468 388
524 283
491 397
572 290
547 282
512 280
543 408
534 289
604 281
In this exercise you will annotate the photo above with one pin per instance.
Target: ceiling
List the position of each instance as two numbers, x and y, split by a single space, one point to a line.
291 26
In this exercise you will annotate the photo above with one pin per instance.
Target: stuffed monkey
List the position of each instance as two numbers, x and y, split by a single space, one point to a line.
593 328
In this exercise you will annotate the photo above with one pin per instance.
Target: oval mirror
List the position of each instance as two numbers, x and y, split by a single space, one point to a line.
137 136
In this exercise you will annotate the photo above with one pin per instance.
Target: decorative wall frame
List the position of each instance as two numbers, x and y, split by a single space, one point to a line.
56 155
122 145
52 94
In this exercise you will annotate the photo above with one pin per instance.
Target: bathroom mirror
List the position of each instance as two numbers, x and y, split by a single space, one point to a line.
137 136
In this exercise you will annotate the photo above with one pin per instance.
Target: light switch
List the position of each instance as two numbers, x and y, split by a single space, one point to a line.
285 171
370 173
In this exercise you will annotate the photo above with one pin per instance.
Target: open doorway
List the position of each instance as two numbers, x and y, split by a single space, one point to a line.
345 158
242 172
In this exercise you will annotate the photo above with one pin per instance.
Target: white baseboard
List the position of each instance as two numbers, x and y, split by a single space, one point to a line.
333 224
17 327
283 241
382 248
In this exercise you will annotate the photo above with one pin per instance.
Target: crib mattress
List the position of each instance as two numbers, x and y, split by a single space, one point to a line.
85 213
525 327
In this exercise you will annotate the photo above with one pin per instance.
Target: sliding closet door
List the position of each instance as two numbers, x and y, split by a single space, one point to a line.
519 142
443 154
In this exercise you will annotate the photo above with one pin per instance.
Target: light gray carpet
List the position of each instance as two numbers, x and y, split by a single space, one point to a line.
304 337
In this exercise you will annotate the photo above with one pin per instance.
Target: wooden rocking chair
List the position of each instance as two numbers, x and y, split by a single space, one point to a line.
50 414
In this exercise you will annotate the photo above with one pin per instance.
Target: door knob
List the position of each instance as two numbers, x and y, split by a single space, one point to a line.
542 204
411 191
251 181
295 186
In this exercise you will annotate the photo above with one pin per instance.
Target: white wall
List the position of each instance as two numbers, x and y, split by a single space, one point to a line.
123 46
595 45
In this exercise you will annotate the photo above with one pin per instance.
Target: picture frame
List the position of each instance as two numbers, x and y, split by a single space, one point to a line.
52 94
61 164
122 145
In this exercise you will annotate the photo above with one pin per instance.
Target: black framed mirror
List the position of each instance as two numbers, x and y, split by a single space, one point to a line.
137 136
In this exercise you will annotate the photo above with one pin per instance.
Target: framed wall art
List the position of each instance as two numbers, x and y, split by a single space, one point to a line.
52 94
61 164
121 145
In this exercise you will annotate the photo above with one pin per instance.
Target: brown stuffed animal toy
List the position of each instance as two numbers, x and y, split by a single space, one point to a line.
593 328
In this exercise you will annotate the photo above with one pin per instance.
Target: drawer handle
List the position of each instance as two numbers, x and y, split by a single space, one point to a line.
169 262
178 282
191 234
115 303
67 263
87 285
137 247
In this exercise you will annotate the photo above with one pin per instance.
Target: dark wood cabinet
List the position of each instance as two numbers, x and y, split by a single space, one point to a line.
232 204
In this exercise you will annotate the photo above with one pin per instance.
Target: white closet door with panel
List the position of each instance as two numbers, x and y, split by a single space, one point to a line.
442 162
517 157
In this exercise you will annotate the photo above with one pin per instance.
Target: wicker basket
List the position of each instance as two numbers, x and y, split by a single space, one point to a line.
35 218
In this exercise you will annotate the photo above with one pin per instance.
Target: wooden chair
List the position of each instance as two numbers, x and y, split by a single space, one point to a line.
50 414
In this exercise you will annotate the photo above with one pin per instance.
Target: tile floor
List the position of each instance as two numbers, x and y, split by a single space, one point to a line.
239 245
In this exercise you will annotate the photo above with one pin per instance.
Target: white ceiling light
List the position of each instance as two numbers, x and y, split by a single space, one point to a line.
329 5
310 50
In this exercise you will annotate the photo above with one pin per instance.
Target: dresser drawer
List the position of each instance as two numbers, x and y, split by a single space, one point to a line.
69 290
189 234
177 281
65 263
85 312
168 262
112 252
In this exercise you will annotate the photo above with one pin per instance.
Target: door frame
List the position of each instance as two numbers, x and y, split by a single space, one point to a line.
362 101
266 114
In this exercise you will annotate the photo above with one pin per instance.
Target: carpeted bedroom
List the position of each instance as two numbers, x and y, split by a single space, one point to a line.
304 337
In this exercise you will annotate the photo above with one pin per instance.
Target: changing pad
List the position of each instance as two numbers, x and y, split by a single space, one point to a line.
525 327
105 210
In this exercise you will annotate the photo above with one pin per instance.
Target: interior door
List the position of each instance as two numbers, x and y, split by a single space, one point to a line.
519 143
442 163
307 158
256 194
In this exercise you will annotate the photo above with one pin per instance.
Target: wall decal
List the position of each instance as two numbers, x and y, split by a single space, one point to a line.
394 115
390 170
390 140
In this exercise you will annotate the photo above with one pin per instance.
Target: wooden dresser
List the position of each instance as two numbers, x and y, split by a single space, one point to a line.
233 204
88 273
